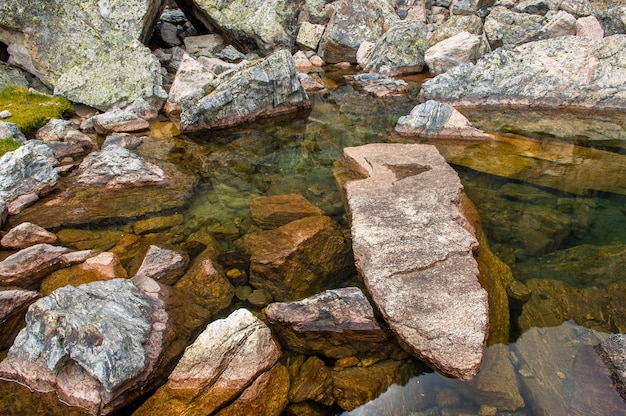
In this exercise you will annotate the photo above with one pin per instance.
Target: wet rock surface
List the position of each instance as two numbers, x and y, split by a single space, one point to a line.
336 323
163 265
13 305
278 210
25 235
28 266
445 327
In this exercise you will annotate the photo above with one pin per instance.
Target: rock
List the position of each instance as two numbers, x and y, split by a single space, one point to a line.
309 35
192 82
204 45
230 54
464 7
57 130
13 306
278 210
317 61
26 235
157 224
578 8
613 20
532 75
355 386
312 382
5 114
118 121
302 63
263 25
26 170
123 140
336 323
589 27
111 184
561 24
456 50
351 23
28 266
298 259
427 291
378 85
228 356
508 29
166 34
11 77
311 84
163 265
260 298
205 285
612 352
11 131
455 25
97 346
263 88
400 50
434 120
108 67
216 65
539 7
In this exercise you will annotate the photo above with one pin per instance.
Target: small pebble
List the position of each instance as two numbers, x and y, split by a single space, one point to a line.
5 114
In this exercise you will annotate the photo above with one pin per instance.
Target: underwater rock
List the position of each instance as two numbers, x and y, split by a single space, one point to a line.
163 265
456 50
157 224
278 210
299 259
13 305
399 51
313 381
226 358
25 235
28 266
336 323
434 120
414 248
534 75
97 346
263 88
351 23
108 67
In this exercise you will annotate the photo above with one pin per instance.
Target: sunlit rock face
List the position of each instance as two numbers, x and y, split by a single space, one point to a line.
264 88
565 72
414 249
89 52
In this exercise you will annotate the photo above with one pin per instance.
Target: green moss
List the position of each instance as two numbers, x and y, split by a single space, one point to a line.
31 110
8 145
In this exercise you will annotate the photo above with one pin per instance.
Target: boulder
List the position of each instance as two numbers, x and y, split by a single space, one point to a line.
278 210
312 381
28 266
589 27
13 306
191 82
309 35
299 259
260 25
11 131
11 77
113 184
533 75
204 45
108 67
434 120
579 8
336 323
27 170
455 25
118 121
263 88
225 359
456 50
378 85
561 24
426 290
506 28
400 50
351 23
98 346
26 235
163 265
57 130
302 64
613 20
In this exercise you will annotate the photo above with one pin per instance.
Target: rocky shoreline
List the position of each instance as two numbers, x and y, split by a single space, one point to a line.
143 315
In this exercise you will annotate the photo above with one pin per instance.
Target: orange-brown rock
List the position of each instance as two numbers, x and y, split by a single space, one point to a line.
277 210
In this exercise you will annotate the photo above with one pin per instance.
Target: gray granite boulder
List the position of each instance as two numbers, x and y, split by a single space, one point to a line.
11 131
564 72
507 28
456 50
192 81
263 88
414 249
400 50
456 24
351 23
89 53
336 323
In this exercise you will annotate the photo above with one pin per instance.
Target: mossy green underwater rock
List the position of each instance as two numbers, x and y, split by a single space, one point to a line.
30 111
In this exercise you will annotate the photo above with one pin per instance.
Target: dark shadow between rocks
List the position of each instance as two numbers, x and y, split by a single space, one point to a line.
4 52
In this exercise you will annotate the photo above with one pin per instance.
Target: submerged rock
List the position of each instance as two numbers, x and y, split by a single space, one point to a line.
434 120
312 381
565 72
264 88
298 259
414 249
278 210
337 323
217 368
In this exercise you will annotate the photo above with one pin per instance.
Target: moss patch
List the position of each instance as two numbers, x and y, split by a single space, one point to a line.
31 110
8 145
